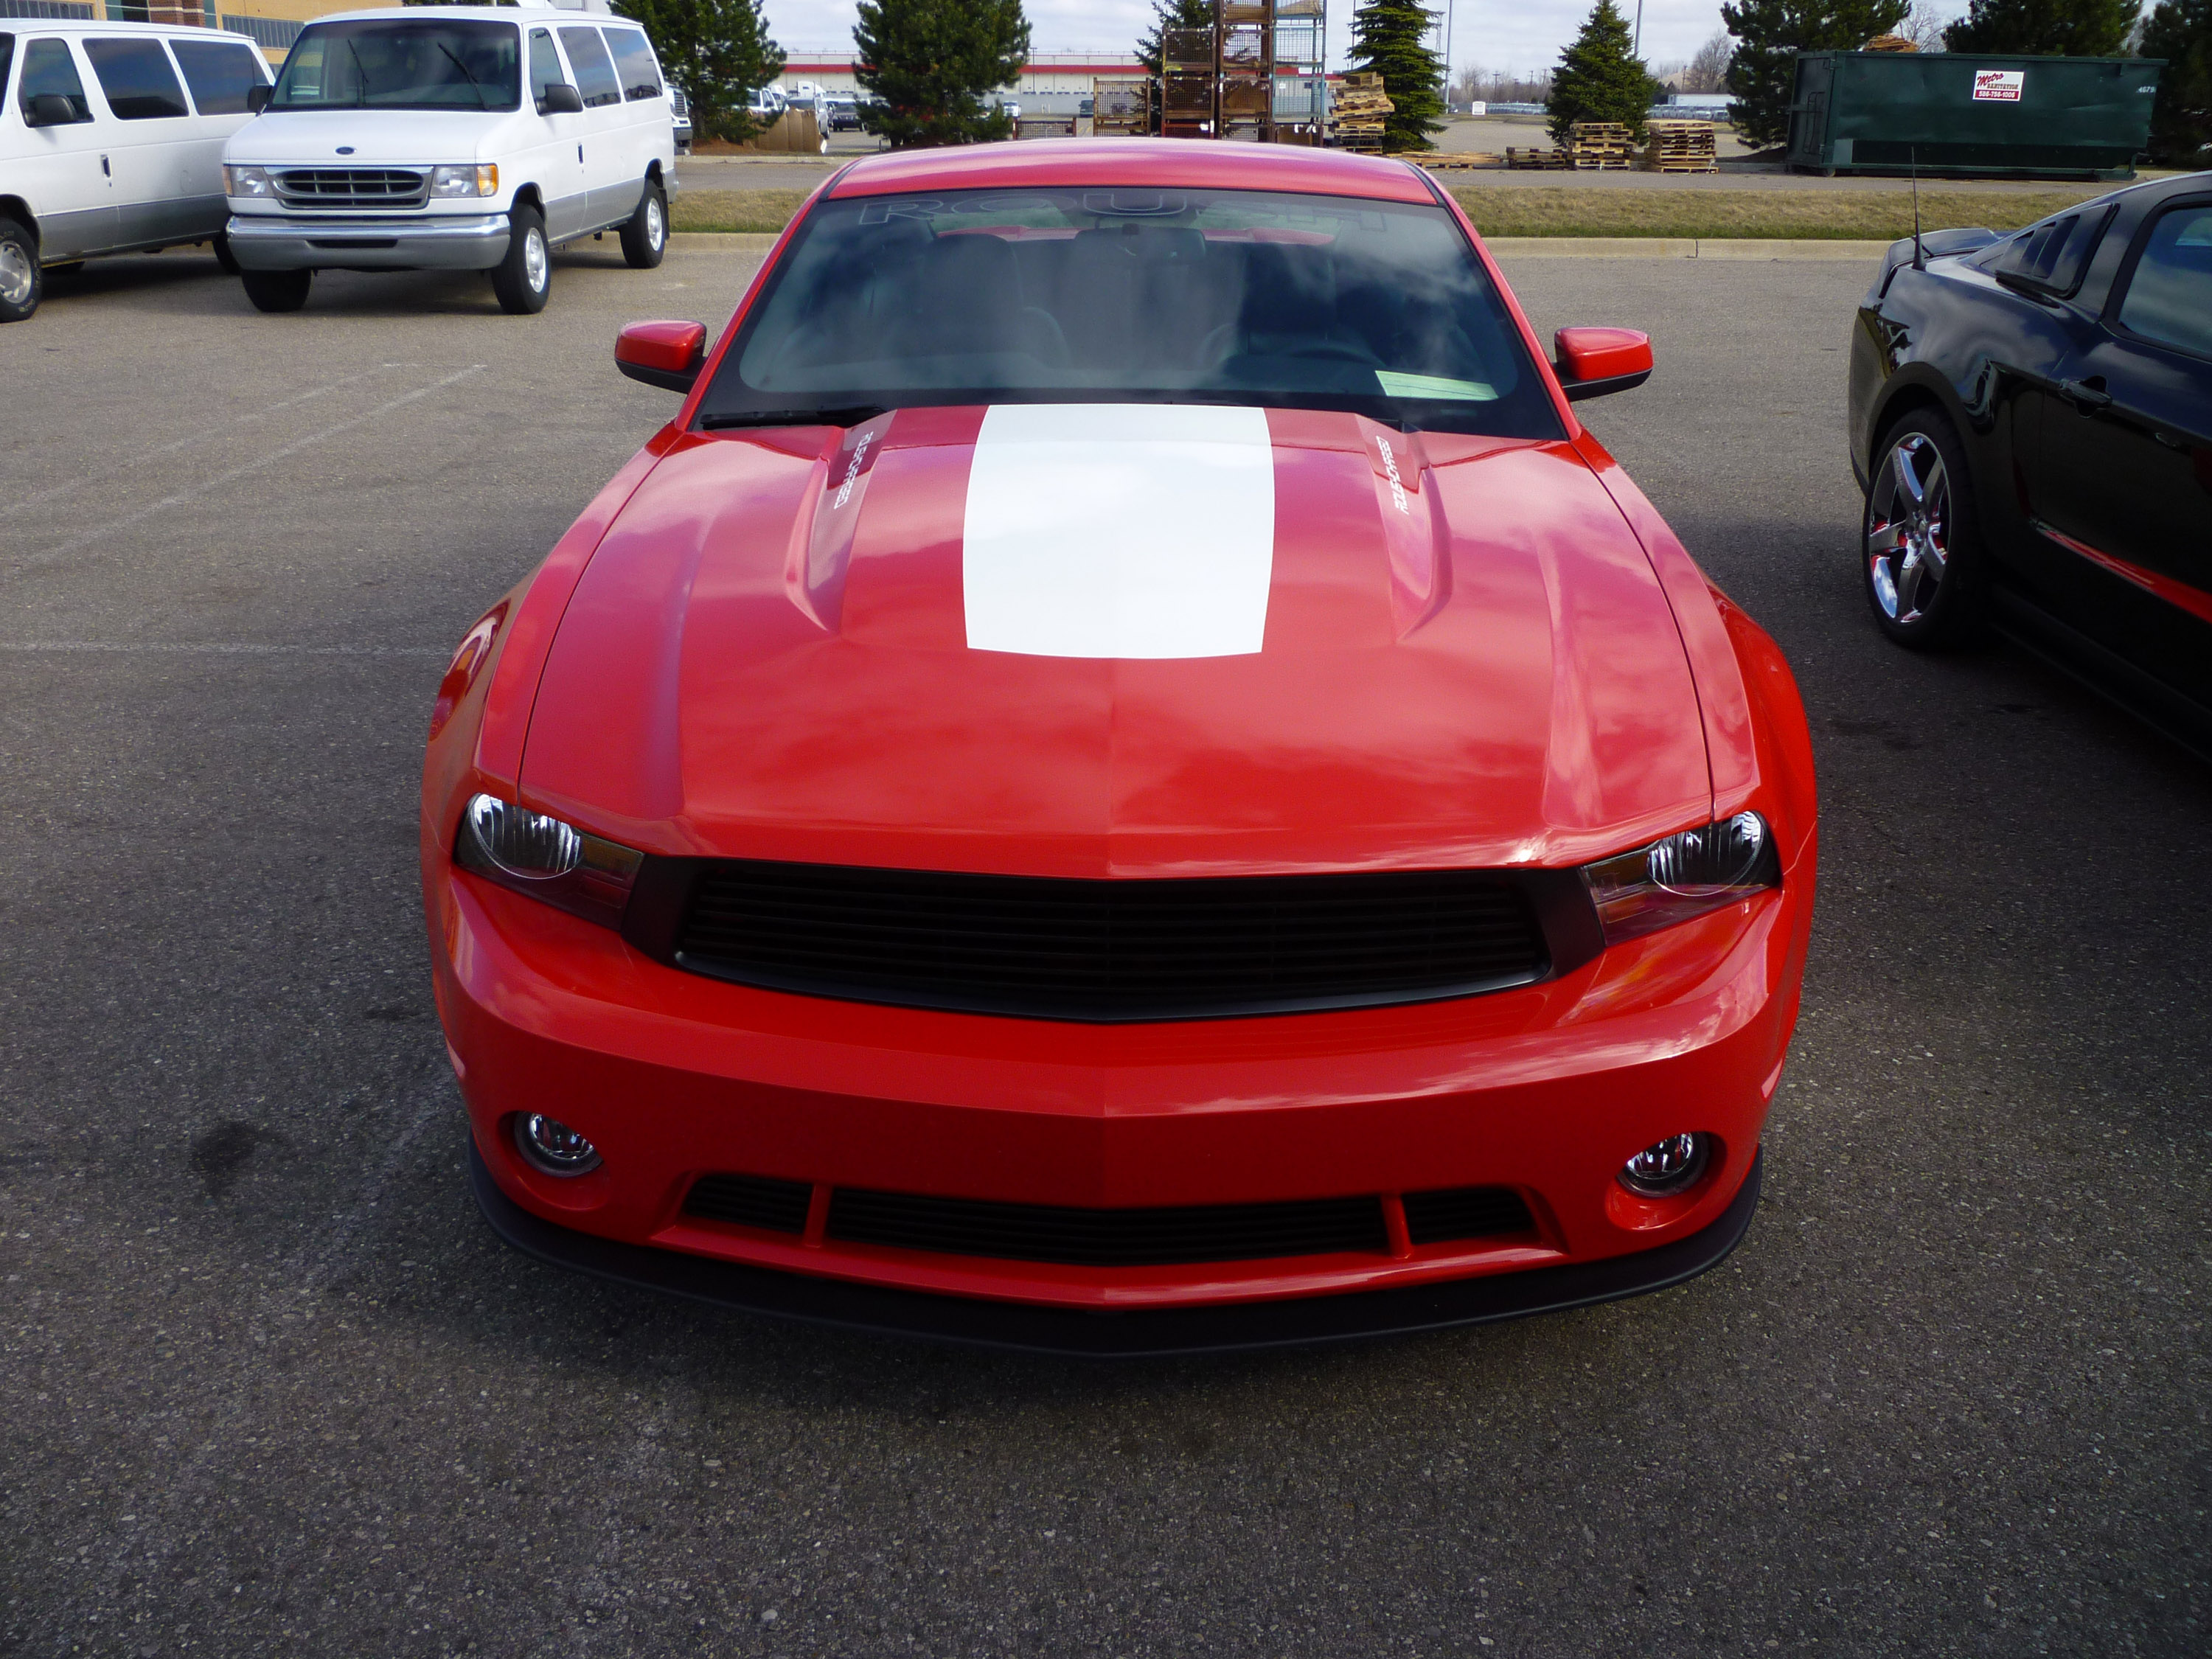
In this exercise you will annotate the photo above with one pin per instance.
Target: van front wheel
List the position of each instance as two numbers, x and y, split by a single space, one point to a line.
645 238
522 279
277 290
21 282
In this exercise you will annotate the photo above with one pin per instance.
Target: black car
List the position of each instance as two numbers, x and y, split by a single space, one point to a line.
2031 415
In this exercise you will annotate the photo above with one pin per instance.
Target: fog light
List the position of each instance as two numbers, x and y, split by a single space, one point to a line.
553 1147
1670 1166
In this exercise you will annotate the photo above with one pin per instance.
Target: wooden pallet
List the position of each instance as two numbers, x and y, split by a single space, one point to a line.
1540 160
1680 146
1458 161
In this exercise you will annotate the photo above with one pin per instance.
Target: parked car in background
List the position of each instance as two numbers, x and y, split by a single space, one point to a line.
841 111
110 142
459 137
2031 417
1124 775
680 107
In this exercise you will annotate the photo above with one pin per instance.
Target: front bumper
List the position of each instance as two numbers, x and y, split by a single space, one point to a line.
296 242
1544 1089
1135 1334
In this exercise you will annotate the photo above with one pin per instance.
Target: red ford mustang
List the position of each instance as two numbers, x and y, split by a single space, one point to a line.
1125 777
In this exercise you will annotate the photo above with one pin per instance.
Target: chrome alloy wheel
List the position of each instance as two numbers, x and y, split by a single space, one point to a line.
656 224
17 274
535 263
1908 540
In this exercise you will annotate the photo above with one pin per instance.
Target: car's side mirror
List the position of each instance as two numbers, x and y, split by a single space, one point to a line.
665 355
560 99
1592 361
257 99
50 109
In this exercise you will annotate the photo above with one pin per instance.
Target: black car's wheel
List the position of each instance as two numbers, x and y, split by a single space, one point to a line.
1921 550
645 238
277 290
223 256
21 283
522 279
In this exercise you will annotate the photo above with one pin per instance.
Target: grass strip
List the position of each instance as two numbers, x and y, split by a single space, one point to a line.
1808 215
1538 211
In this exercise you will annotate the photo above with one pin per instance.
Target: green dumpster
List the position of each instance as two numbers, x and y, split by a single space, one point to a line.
1969 116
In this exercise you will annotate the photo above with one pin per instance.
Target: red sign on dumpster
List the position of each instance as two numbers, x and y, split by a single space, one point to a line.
1998 86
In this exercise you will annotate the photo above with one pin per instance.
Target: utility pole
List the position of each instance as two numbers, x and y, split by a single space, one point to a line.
1636 46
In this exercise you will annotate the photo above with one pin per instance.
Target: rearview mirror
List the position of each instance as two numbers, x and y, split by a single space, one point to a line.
1592 361
560 99
257 99
50 109
665 355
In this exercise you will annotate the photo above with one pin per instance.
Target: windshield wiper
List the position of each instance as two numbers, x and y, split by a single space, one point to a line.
360 76
457 62
845 415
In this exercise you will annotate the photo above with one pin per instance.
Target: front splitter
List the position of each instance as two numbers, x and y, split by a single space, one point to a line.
1217 1327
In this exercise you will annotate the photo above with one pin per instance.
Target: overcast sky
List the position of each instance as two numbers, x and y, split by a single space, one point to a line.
1498 35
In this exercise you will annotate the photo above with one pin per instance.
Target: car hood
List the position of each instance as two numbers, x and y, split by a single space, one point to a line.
1120 639
398 137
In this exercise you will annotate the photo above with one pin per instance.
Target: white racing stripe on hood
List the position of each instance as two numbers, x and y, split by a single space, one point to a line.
1120 530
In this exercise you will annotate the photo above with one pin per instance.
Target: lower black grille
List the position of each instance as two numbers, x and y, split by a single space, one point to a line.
1466 1212
751 1201
1108 1238
353 187
1058 948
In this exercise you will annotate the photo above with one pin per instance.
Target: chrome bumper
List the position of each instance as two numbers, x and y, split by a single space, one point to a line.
271 243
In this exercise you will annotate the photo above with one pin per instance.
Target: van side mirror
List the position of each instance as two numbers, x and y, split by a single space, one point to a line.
257 99
1594 361
560 99
50 109
665 355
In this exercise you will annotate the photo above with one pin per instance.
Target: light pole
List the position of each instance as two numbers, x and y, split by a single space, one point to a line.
1636 46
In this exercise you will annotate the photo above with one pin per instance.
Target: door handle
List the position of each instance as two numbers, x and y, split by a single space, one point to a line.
2088 396
104 173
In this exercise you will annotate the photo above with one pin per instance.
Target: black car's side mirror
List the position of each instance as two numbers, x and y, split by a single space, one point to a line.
50 109
560 99
257 99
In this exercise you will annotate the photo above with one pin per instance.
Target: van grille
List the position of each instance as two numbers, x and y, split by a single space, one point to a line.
353 187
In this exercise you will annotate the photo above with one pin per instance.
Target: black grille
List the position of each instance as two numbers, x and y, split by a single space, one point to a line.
1465 1212
751 1201
1108 1238
353 187
1057 949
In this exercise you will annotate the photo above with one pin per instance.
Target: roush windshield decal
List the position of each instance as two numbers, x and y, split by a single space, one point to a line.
1120 530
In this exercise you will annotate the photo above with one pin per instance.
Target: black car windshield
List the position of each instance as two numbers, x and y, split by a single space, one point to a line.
1103 295
427 64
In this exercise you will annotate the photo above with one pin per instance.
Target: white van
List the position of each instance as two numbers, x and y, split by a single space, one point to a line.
110 142
452 137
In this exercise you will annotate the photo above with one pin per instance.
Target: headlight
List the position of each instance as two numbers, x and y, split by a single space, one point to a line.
246 181
1683 875
481 179
548 859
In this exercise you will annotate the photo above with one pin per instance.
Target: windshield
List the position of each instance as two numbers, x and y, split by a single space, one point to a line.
1107 295
430 64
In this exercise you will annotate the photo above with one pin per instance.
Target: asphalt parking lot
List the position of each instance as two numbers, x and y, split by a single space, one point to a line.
271 1387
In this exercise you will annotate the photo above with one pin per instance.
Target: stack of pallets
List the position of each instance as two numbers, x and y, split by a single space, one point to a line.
1540 160
1599 146
1356 120
1680 146
1121 108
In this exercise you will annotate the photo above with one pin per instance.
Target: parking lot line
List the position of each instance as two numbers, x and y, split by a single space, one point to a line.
307 441
23 504
224 648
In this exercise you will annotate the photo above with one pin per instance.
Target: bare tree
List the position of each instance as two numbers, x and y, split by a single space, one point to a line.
1924 24
1708 71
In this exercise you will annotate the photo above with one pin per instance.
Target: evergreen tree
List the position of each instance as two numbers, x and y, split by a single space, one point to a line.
1169 14
1387 39
1770 33
2057 29
932 66
718 50
2180 31
1600 78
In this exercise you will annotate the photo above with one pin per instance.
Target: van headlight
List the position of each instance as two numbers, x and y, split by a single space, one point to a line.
538 855
474 179
1683 875
246 181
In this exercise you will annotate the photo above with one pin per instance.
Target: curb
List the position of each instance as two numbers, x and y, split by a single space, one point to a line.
1678 247
1505 247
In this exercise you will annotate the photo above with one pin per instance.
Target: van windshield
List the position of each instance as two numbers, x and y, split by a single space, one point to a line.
1091 295
431 64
